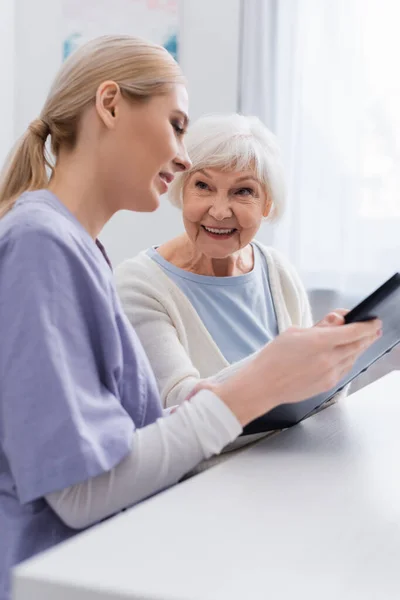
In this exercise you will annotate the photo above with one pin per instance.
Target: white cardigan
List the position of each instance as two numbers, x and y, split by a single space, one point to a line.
180 349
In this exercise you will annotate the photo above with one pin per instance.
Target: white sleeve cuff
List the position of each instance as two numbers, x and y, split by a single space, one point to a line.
161 454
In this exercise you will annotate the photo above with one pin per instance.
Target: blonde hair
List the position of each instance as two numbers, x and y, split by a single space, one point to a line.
234 142
140 68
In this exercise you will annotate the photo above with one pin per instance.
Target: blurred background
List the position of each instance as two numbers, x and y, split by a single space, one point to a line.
322 74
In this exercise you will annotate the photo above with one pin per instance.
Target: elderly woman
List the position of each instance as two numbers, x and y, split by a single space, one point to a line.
214 295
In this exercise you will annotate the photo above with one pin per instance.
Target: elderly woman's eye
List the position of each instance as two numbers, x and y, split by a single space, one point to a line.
245 191
201 185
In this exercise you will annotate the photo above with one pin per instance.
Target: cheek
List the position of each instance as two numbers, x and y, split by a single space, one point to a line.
130 167
128 155
153 145
122 161
248 217
165 146
194 208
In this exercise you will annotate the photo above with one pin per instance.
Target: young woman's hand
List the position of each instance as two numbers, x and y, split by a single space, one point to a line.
334 318
298 364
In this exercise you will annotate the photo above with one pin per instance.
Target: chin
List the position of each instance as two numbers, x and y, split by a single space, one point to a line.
148 202
218 253
154 205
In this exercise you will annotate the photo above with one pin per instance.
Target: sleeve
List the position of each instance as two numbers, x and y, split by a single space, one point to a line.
174 371
299 307
294 294
161 453
59 423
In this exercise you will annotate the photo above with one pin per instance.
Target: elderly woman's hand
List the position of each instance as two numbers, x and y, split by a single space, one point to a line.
298 364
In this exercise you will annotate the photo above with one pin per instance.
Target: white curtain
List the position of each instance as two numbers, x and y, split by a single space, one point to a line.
324 75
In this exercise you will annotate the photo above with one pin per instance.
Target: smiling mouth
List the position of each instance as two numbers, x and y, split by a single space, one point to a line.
219 232
167 177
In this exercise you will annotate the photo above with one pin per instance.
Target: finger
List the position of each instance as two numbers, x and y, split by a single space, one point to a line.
341 311
341 336
203 385
332 319
347 364
192 393
345 367
346 356
355 349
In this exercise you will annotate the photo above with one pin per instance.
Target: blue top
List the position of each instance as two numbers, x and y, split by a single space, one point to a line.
75 381
238 311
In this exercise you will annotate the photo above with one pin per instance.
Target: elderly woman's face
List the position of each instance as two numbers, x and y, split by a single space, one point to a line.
223 210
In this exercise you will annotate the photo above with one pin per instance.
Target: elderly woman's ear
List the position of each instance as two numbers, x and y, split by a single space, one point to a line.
267 207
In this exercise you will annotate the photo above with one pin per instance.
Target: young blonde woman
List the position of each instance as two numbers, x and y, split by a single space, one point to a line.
82 430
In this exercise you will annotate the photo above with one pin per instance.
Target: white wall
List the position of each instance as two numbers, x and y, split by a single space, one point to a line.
31 53
7 69
210 32
38 55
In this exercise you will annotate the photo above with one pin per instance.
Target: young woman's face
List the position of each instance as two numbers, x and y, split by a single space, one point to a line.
147 149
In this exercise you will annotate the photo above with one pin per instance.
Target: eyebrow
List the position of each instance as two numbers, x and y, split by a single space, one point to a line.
244 178
204 173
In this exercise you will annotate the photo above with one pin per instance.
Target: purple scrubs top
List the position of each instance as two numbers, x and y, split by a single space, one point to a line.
74 379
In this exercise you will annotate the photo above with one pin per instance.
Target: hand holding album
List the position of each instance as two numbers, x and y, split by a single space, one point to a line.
384 304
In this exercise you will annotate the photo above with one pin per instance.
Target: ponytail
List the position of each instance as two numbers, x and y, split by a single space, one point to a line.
140 68
25 169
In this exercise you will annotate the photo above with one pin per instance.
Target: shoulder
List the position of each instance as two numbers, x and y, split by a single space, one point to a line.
35 226
287 286
141 263
273 256
38 243
141 272
143 285
282 272
278 262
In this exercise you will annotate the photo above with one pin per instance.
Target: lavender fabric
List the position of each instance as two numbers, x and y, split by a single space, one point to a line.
74 379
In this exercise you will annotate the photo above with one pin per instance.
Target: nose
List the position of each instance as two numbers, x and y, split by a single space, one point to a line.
182 161
220 208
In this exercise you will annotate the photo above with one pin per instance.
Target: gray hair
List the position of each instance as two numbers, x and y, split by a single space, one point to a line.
234 142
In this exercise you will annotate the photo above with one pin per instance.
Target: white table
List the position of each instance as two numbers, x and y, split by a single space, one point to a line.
311 513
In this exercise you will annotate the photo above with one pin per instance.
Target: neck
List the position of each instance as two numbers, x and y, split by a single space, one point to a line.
78 185
183 253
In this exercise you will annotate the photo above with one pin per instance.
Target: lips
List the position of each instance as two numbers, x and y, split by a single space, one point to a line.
221 233
164 179
219 230
167 177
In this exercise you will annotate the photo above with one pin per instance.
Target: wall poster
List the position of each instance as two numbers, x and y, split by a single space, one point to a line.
154 20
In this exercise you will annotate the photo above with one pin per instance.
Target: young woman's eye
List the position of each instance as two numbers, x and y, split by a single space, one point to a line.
245 191
201 185
178 128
